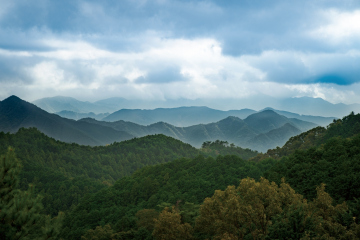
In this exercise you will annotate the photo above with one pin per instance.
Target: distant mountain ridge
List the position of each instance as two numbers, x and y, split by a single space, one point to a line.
77 115
181 116
16 113
302 105
259 131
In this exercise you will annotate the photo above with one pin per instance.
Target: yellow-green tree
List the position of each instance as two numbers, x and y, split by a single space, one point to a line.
99 233
168 226
326 217
247 209
146 218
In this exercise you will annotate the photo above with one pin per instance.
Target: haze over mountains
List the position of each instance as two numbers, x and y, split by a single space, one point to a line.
258 131
302 105
16 113
179 116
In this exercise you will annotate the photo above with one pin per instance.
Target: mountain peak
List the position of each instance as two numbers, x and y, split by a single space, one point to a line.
230 118
267 108
13 98
264 114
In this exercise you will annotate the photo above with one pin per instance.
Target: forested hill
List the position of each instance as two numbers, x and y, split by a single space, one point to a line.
66 172
185 181
195 197
346 127
321 179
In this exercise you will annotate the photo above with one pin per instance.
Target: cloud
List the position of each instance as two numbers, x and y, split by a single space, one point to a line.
295 67
168 49
342 27
162 75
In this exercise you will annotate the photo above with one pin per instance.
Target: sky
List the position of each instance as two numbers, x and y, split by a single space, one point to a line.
168 50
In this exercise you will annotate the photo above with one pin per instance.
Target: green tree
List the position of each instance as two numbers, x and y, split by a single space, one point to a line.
248 209
20 214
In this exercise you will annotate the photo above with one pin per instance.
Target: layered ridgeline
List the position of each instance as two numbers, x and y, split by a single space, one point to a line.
188 116
77 115
64 173
180 116
16 113
346 127
259 131
304 105
135 207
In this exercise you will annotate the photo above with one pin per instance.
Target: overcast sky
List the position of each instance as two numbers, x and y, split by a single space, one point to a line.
167 49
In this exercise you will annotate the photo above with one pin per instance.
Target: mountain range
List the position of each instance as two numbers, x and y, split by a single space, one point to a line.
16 113
258 131
180 116
302 105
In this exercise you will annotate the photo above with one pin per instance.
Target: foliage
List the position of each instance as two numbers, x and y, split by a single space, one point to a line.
347 127
224 148
168 226
187 180
21 211
336 164
245 210
264 210
100 233
63 173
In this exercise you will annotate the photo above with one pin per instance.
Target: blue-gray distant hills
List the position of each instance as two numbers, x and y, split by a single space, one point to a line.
16 113
258 131
301 105
181 116
188 116
178 116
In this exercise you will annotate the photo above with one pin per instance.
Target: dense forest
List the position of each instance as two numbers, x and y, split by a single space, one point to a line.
64 173
308 189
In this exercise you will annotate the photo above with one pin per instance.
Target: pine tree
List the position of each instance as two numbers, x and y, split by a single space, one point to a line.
20 211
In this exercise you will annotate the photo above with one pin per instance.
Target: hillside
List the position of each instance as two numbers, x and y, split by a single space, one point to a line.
186 181
77 170
275 137
336 164
180 117
16 113
346 127
258 131
125 207
321 121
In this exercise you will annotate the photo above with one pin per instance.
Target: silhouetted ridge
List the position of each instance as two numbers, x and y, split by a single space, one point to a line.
16 113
